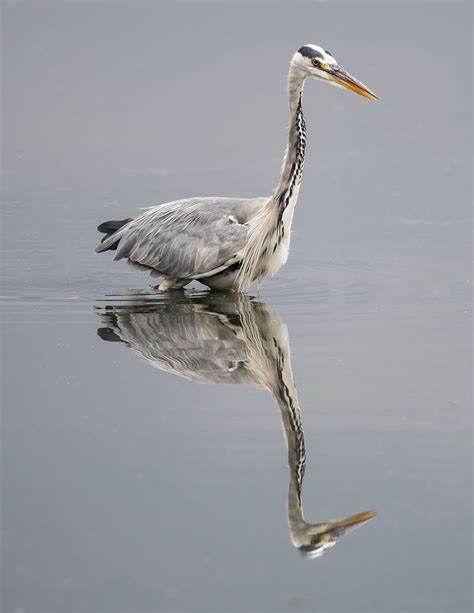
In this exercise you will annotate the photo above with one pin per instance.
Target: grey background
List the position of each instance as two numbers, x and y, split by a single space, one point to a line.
127 489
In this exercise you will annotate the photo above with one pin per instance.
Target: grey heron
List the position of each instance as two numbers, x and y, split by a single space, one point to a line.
228 243
230 339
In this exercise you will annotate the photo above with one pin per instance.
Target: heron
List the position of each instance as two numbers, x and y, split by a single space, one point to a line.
230 339
229 243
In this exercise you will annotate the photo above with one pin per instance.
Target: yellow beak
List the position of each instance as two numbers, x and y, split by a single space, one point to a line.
350 522
344 79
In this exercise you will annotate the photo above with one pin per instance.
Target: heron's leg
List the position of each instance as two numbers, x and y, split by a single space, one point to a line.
172 283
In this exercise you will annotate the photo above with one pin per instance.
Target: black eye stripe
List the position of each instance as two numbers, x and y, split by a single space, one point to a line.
311 53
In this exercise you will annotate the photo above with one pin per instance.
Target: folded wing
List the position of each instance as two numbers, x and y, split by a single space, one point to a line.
187 239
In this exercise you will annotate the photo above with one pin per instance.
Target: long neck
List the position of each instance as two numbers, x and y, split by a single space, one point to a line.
286 396
288 186
270 226
294 436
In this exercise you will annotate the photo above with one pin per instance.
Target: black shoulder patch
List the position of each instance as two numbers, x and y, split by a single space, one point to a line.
310 52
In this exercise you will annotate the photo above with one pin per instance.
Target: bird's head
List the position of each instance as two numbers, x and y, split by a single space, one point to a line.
315 539
314 61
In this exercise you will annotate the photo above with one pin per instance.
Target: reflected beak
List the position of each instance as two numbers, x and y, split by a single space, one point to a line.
327 534
342 78
350 522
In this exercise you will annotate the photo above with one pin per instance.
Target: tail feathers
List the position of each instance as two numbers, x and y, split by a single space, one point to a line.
106 334
109 228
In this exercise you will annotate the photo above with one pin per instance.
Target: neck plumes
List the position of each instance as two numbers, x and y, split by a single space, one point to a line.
286 192
269 230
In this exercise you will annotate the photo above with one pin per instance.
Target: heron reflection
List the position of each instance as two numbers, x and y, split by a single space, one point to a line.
217 339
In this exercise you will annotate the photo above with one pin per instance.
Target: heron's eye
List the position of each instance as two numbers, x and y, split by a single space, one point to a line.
316 62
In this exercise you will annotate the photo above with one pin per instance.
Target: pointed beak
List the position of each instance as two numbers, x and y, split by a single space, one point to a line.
350 522
342 78
326 535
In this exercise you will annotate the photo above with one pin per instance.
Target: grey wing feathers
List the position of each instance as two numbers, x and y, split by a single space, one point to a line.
199 345
187 239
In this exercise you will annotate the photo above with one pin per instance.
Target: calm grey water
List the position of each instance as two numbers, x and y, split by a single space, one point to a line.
145 465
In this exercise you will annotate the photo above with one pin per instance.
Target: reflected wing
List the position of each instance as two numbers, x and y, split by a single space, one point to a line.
187 239
199 345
